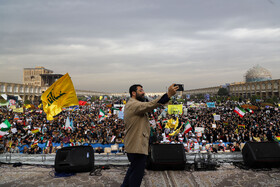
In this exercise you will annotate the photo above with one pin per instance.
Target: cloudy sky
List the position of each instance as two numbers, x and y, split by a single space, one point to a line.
107 45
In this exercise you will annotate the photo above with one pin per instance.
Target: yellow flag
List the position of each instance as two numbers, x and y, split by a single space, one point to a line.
29 106
100 97
175 109
176 131
257 139
172 124
60 94
40 105
18 110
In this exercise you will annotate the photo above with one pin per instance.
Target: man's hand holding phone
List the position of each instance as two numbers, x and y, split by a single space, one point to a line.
172 90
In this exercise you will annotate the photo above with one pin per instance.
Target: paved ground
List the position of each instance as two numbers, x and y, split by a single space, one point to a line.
225 175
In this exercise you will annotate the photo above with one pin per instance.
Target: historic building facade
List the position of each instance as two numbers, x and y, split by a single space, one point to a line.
33 93
25 92
39 76
264 89
213 91
259 82
35 82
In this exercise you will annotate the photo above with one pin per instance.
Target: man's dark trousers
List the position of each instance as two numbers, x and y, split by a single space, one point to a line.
135 172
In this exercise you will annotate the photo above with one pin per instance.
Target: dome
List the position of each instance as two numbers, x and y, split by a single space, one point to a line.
257 73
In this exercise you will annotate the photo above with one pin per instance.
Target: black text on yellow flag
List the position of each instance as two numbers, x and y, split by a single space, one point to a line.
60 94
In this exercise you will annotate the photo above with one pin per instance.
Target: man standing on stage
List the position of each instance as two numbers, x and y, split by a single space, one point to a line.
137 131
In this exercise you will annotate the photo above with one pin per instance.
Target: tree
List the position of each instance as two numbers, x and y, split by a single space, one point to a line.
223 92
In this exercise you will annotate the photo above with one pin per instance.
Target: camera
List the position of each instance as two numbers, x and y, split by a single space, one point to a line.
181 87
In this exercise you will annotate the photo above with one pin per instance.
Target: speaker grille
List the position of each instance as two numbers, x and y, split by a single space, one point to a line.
261 154
166 157
74 159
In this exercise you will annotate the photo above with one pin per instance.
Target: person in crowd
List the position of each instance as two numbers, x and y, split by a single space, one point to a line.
2 147
35 149
25 150
99 150
60 146
14 149
237 147
221 146
50 149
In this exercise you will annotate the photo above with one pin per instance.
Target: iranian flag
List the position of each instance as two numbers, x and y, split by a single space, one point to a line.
113 138
240 111
101 114
5 126
187 127
3 133
251 111
48 143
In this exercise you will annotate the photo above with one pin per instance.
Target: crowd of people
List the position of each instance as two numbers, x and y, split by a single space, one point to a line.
227 134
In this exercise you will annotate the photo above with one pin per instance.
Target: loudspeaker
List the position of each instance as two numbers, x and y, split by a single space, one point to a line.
74 159
166 157
261 154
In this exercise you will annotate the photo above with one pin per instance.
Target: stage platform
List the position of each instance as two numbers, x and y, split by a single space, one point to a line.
118 159
226 175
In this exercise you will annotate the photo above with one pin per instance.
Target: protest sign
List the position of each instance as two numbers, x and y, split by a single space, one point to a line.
217 117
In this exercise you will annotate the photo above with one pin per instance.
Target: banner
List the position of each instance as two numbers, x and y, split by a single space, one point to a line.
4 104
199 129
121 114
175 109
190 103
210 104
60 94
18 110
217 117
12 102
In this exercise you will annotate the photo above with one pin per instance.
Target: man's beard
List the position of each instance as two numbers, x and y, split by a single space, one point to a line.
140 97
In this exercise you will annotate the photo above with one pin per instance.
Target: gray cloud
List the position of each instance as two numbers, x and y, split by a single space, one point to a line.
109 45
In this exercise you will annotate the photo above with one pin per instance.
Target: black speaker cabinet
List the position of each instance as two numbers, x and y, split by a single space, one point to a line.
74 159
261 154
166 157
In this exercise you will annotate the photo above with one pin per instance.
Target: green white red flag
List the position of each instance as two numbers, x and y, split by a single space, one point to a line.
101 114
240 111
4 128
187 127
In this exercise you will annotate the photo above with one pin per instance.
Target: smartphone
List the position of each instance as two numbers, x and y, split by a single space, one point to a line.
181 87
